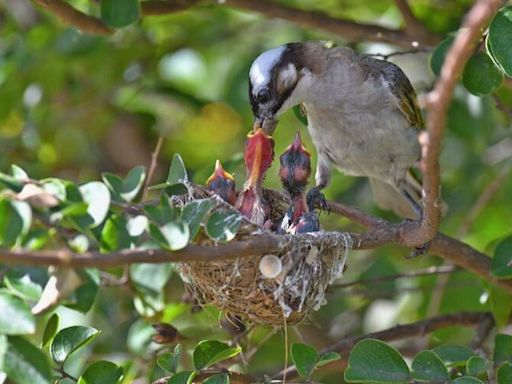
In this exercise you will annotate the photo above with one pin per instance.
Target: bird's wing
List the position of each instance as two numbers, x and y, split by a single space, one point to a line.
399 86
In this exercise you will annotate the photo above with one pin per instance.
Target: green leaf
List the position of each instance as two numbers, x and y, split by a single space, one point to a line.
79 243
477 366
480 76
453 355
428 367
223 226
498 39
437 59
127 189
502 349
119 13
151 277
170 361
376 362
84 296
327 358
3 350
177 171
101 372
26 364
15 316
305 358
11 182
15 220
194 213
163 213
68 340
501 263
219 378
97 197
21 285
182 377
50 330
210 352
505 374
176 235
467 380
299 115
115 235
18 173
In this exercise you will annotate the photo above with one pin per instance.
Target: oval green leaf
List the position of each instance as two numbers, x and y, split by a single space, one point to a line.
170 361
209 352
223 226
68 340
327 358
26 364
453 355
101 372
477 366
481 77
115 235
182 377
11 223
177 171
21 285
52 325
305 358
501 263
498 39
15 316
219 378
437 59
373 361
119 13
427 366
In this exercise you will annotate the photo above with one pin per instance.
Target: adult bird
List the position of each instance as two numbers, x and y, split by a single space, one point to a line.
363 116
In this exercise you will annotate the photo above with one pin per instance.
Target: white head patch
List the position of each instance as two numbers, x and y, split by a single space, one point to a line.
260 72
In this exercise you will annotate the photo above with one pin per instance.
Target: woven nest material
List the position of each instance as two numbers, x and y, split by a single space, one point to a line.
310 263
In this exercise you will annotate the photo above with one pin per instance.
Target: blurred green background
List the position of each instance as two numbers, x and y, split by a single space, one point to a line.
74 105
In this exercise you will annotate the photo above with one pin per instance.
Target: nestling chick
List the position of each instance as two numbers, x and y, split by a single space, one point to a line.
362 113
222 184
294 172
258 156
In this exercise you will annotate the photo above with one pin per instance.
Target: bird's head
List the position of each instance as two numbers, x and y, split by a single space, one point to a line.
280 79
295 167
222 183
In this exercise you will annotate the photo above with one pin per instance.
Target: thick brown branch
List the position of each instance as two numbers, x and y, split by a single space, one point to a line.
438 102
419 328
348 29
72 16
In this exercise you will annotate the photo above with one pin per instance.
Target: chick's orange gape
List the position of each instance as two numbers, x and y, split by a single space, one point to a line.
294 173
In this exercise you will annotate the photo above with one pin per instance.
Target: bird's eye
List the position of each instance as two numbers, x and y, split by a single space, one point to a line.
263 96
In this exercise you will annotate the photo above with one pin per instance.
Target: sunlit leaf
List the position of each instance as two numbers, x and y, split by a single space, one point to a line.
176 235
210 352
97 197
498 39
194 214
115 235
15 316
68 340
223 226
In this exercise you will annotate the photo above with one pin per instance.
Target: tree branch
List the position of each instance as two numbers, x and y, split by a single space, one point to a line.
419 328
438 101
348 29
74 17
413 27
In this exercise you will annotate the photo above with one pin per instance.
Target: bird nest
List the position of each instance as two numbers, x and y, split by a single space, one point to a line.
308 263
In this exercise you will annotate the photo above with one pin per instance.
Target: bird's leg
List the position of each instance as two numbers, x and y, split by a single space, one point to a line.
315 198
418 209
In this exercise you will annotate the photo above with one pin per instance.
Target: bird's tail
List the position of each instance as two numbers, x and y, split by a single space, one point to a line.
389 198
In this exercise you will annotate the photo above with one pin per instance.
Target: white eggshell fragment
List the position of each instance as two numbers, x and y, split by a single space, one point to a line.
270 266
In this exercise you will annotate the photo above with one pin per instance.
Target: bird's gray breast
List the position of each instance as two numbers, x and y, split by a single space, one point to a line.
356 125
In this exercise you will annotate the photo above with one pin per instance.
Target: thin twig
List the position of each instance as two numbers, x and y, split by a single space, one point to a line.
444 269
419 328
399 53
152 165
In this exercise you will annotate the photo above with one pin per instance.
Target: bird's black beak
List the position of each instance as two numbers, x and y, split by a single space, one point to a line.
268 124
